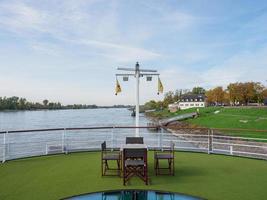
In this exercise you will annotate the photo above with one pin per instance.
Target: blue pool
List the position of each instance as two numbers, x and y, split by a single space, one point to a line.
134 195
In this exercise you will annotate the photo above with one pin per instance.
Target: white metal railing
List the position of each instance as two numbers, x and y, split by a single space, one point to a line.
27 143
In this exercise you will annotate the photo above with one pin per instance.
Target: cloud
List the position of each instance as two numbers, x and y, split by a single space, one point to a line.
99 32
19 17
47 48
179 20
178 77
171 18
66 92
193 55
244 66
120 52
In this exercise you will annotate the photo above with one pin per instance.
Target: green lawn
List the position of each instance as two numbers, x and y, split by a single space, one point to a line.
242 118
208 176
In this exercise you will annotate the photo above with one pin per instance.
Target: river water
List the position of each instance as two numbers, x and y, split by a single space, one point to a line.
23 144
43 119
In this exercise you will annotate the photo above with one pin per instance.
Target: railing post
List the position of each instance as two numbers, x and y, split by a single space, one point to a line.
4 147
160 138
231 150
63 140
46 149
210 141
7 145
66 142
112 138
159 133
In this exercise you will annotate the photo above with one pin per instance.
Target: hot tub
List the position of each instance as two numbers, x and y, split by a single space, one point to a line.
133 195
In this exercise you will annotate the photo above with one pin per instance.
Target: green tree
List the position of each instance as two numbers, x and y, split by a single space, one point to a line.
12 103
168 99
150 105
22 104
234 93
216 96
198 90
45 102
259 92
177 95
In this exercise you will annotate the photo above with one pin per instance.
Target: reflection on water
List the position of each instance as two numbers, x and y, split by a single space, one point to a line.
134 195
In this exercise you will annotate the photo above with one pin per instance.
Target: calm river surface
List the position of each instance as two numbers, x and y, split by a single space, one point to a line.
42 119
34 143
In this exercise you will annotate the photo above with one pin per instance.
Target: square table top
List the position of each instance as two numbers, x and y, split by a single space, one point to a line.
133 146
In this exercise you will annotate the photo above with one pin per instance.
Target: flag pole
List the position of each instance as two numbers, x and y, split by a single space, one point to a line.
137 74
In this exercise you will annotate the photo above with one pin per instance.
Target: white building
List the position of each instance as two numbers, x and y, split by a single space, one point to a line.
188 101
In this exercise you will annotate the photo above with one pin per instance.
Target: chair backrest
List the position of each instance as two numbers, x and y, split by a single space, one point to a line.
172 146
169 148
134 153
103 146
134 140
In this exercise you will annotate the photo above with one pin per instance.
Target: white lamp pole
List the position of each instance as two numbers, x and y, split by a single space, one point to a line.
137 76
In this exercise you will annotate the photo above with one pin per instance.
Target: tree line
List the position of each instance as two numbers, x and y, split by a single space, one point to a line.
17 103
239 93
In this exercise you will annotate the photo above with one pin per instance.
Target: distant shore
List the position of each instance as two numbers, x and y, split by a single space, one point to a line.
15 103
48 109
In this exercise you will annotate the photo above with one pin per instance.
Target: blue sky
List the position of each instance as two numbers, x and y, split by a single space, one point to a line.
68 51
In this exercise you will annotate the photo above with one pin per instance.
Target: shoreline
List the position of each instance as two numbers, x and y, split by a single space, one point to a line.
2 111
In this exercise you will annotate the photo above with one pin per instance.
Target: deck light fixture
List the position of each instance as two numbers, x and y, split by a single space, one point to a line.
149 78
125 78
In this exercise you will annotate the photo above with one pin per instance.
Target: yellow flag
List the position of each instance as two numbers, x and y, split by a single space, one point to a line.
118 87
160 86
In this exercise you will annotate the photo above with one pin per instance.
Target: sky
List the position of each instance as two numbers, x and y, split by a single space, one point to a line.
68 51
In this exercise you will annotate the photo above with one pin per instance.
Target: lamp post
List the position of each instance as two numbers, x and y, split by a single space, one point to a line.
137 74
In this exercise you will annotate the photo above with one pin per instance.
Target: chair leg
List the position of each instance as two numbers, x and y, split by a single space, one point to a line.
157 166
124 176
102 167
107 164
106 167
146 176
170 166
155 163
119 167
173 171
170 169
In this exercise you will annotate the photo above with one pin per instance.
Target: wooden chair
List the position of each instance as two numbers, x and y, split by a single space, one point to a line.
108 155
134 140
134 164
165 154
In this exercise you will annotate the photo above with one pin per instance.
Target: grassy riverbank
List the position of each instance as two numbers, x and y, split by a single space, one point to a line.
232 118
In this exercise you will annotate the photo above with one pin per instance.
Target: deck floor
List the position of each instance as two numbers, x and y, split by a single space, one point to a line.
198 174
